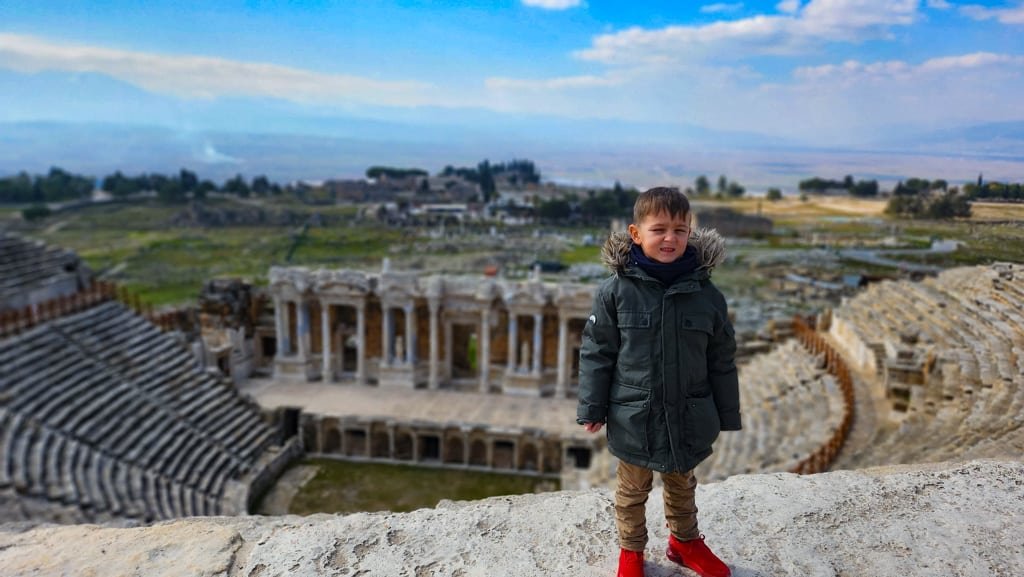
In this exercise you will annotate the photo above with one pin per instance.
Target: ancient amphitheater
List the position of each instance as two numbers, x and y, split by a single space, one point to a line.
107 416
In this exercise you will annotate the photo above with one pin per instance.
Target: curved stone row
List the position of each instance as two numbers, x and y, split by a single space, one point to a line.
792 406
102 410
32 271
948 354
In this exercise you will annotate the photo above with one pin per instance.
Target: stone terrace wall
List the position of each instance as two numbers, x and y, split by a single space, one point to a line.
941 521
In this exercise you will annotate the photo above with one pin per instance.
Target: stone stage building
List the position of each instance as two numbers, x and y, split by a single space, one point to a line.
403 330
465 372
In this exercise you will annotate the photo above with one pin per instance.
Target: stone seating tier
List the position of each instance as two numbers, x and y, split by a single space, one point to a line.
791 406
103 412
970 323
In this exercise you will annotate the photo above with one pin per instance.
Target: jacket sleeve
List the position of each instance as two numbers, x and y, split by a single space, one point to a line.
722 372
598 353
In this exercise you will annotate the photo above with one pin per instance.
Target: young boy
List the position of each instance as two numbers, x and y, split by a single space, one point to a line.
657 365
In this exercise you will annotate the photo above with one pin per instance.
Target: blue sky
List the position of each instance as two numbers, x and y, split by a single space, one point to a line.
817 72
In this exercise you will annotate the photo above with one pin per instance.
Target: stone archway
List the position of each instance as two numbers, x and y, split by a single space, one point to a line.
504 456
332 441
310 438
380 448
403 446
453 450
478 453
355 443
528 457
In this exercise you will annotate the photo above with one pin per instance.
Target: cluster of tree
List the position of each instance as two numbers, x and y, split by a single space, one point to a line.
597 206
918 198
517 172
994 190
184 185
391 172
56 186
726 188
862 188
919 186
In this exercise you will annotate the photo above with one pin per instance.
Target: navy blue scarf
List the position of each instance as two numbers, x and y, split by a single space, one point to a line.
667 273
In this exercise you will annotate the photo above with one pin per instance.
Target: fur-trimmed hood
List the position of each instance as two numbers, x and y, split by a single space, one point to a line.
709 244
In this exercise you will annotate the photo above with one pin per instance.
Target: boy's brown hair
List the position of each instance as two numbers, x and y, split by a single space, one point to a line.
660 199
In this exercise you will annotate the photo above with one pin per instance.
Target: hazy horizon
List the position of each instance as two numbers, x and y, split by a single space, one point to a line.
767 92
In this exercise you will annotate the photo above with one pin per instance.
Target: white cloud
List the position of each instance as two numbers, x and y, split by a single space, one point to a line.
201 77
855 70
788 6
558 83
1010 15
721 7
939 4
818 22
552 4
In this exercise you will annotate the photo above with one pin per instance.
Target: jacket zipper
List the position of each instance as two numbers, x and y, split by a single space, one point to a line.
664 386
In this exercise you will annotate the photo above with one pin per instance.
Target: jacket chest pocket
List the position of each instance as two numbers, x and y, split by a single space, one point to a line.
633 320
696 329
636 334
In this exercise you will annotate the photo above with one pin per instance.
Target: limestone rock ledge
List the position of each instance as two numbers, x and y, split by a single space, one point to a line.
941 520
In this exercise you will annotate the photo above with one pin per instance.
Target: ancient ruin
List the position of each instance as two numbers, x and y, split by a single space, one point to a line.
403 330
104 417
110 414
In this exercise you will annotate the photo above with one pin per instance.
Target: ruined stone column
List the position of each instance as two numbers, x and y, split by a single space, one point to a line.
512 344
449 340
432 379
410 335
391 441
563 356
538 335
485 349
343 444
303 330
388 329
279 327
286 330
361 344
325 326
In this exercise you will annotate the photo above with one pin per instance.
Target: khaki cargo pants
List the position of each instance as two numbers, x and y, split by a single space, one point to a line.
633 484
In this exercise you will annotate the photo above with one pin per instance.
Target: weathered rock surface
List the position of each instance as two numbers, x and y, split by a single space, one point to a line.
941 520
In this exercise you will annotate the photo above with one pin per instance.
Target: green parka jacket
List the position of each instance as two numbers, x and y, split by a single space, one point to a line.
657 363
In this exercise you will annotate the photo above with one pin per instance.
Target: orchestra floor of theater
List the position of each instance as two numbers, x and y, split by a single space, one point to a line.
556 417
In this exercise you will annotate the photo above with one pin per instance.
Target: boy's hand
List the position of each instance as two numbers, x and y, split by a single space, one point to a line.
593 427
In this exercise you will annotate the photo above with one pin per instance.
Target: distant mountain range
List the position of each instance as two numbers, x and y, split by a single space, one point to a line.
141 131
582 151
992 140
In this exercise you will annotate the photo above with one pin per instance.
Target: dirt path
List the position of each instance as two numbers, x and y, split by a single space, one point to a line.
869 421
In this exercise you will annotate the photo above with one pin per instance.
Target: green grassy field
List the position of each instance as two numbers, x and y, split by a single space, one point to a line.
137 245
344 487
141 246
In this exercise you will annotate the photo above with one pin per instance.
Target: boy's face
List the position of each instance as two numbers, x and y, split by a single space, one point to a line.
662 237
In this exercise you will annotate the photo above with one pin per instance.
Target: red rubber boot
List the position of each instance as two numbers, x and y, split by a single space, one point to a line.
694 554
631 563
